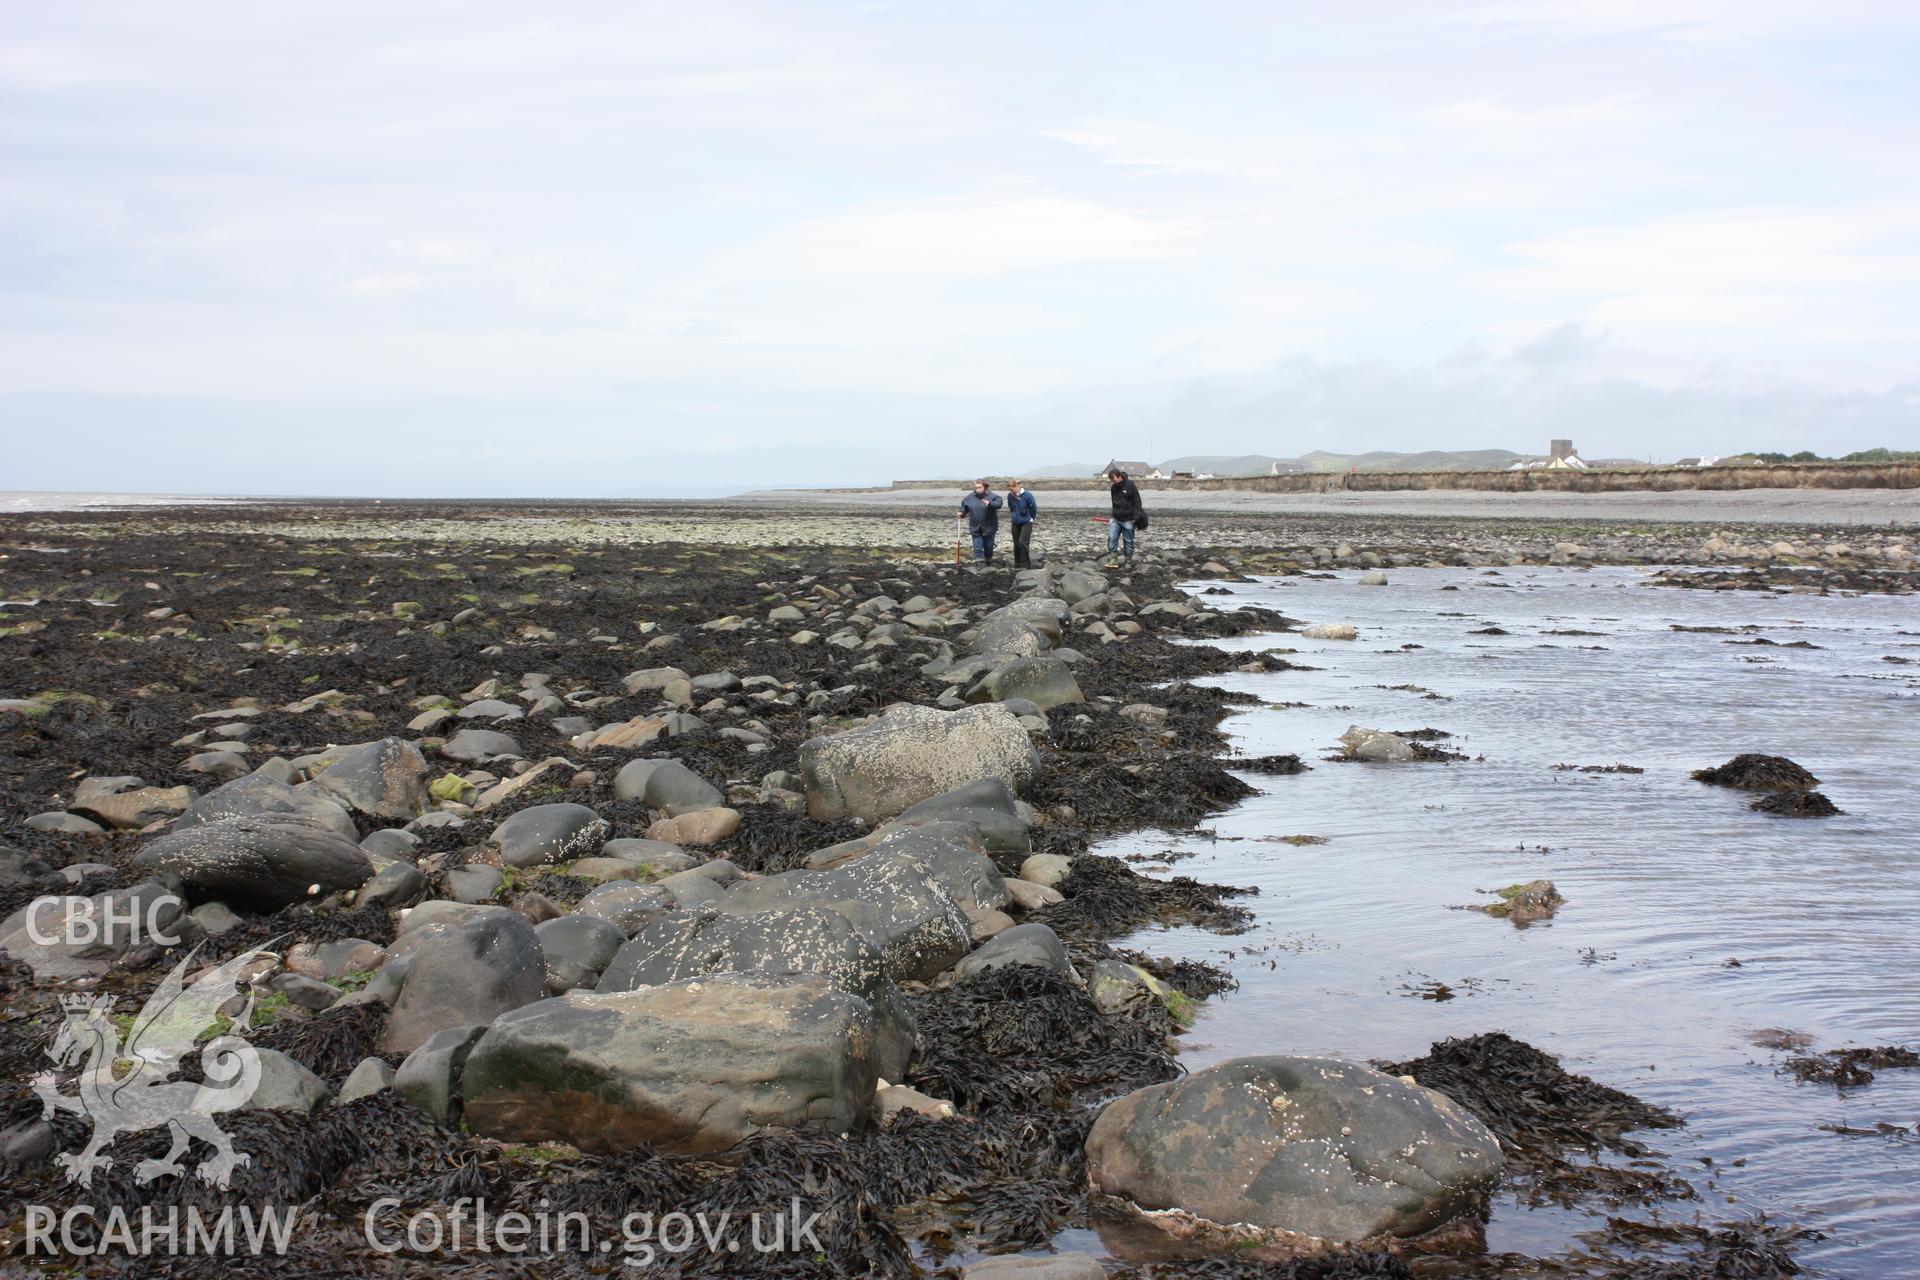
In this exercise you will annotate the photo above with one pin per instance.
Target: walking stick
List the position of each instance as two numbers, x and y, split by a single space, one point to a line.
959 533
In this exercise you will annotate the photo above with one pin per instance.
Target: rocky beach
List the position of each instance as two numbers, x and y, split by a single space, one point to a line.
607 859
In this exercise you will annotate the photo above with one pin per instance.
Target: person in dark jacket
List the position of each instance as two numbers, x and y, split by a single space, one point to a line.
982 510
1126 510
1021 508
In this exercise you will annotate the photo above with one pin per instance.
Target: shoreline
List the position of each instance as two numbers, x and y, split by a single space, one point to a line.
381 631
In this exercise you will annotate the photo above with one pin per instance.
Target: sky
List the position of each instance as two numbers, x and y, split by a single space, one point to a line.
586 249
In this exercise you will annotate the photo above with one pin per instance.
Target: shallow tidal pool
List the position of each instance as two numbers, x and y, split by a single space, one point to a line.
1691 923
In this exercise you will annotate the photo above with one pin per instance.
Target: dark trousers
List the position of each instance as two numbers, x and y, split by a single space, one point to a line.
1022 544
983 545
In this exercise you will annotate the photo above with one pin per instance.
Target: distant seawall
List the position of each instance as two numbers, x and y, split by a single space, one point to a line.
1786 475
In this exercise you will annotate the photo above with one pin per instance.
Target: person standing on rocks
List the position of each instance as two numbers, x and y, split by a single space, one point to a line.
1022 509
982 510
1126 514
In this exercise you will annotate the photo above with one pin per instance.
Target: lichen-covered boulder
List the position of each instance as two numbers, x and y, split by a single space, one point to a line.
261 795
896 901
689 944
1300 1150
912 753
692 1066
953 853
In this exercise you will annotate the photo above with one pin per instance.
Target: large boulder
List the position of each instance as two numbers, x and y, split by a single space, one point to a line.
1044 612
674 787
577 948
691 1066
133 808
896 901
263 862
83 937
910 754
430 1077
1296 1147
21 870
398 884
1361 743
384 779
625 903
284 1085
261 795
1076 585
953 852
1003 638
465 975
1027 944
665 784
1045 682
549 833
981 793
690 944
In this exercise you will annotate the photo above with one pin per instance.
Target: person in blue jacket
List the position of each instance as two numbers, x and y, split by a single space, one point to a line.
982 510
1022 508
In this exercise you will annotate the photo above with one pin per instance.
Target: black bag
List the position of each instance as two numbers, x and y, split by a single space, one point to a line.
1140 522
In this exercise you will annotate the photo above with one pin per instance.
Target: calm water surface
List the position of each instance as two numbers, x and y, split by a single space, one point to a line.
1667 880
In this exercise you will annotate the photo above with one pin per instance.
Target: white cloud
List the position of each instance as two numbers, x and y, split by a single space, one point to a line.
385 284
1722 252
1159 148
956 239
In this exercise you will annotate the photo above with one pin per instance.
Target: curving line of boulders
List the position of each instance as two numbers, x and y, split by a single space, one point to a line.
684 1004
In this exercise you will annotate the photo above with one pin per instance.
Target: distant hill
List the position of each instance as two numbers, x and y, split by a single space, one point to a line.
1063 471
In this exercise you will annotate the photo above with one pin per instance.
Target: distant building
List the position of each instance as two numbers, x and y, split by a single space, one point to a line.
1134 470
1286 468
1561 456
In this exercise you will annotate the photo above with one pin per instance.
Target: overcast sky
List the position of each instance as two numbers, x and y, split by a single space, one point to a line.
594 249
